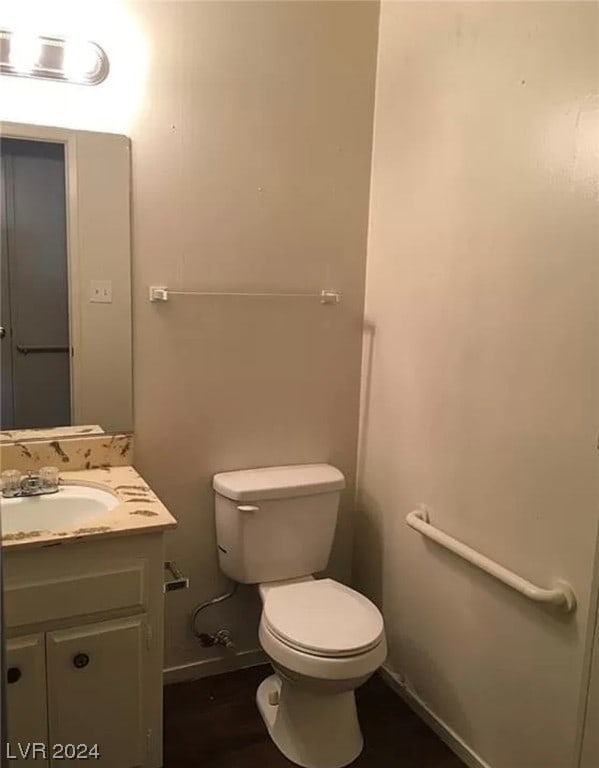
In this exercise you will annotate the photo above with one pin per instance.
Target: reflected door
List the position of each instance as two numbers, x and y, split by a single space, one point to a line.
35 316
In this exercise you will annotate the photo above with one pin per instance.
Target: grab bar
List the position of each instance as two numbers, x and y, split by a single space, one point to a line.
561 596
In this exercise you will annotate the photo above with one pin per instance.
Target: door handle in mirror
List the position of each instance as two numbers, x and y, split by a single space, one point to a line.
2 331
31 349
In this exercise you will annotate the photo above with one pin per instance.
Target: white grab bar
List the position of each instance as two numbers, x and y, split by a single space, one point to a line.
561 596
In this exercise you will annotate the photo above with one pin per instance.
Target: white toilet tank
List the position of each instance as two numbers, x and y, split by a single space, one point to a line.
276 523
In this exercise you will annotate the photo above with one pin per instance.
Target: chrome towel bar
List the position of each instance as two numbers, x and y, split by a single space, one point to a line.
562 595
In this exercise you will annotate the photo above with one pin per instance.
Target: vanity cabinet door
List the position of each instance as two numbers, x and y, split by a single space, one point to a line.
95 677
25 679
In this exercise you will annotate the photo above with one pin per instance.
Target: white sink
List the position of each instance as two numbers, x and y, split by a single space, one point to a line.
74 506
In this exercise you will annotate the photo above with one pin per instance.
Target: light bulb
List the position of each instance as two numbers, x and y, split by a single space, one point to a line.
25 51
81 59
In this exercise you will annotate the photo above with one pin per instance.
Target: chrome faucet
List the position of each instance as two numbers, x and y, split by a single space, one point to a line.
30 484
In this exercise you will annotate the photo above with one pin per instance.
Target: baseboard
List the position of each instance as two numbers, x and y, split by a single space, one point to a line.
443 731
216 666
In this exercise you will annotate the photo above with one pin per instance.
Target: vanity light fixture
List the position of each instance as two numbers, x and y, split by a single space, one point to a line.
52 58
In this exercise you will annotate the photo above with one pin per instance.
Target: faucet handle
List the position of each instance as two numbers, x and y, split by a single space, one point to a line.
49 477
11 481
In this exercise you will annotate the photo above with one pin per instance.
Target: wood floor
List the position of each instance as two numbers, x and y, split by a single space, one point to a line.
214 722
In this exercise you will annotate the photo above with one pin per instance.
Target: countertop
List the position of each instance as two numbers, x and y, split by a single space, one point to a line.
50 433
139 510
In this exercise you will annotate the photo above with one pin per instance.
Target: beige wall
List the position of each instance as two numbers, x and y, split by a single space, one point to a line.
250 128
251 163
481 380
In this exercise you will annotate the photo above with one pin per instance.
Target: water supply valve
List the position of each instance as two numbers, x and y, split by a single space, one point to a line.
222 637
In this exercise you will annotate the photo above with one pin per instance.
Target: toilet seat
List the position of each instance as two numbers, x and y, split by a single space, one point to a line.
326 668
322 618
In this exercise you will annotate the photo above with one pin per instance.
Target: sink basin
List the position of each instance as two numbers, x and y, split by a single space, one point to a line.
74 506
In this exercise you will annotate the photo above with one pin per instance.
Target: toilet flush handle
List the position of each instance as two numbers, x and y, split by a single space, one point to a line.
247 508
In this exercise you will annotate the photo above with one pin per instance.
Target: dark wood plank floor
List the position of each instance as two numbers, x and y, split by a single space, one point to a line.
215 722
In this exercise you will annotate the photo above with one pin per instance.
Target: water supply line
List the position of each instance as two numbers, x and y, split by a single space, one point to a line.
207 604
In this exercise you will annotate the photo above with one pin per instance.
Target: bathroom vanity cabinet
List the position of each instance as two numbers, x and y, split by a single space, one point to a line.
84 651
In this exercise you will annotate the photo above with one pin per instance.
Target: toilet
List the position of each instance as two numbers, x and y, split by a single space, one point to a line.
275 528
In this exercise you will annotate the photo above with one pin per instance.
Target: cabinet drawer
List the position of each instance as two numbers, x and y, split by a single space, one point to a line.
74 595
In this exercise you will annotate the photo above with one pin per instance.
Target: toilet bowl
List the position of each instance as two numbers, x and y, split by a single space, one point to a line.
324 640
275 528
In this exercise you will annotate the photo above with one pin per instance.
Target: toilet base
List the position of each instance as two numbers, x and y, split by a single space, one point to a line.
314 730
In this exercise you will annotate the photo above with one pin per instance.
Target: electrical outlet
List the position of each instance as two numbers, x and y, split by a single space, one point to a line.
100 291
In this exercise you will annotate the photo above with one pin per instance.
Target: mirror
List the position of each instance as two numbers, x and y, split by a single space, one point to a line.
65 304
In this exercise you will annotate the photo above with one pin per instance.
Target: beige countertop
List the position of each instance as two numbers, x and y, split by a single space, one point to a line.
139 511
50 433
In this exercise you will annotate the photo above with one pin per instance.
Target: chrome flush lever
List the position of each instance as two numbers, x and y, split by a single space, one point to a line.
247 508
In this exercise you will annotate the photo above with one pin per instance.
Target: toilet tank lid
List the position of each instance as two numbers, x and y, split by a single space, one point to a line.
278 482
